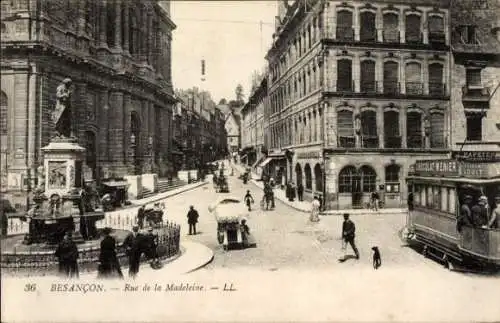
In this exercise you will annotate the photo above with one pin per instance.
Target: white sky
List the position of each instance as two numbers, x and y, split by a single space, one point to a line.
232 51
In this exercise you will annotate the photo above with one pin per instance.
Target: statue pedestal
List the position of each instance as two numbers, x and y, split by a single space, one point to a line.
63 161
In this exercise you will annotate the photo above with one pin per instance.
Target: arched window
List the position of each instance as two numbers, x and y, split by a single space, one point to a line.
391 77
344 75
436 30
368 179
368 32
392 179
414 129
391 129
344 25
368 76
318 175
3 113
307 171
391 28
413 34
298 173
345 129
345 179
437 130
414 79
436 86
110 25
369 129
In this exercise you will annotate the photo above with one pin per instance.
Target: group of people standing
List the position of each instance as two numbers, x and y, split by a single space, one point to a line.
479 214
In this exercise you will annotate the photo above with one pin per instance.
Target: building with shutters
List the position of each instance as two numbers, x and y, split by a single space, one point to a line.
475 99
118 54
358 92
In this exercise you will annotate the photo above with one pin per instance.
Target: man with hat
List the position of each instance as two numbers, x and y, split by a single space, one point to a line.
192 219
494 222
67 253
132 246
465 217
480 212
349 233
108 261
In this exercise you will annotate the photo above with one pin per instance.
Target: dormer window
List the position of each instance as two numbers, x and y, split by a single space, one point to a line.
468 35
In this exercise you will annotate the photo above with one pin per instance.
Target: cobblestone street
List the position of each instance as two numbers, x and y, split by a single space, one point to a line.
286 238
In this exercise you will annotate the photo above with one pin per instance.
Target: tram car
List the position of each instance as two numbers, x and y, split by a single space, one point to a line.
229 212
439 191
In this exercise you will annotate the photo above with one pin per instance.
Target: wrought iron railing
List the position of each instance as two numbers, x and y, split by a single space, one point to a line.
369 141
414 142
437 37
345 86
368 35
345 33
392 142
346 142
414 88
391 87
437 88
368 86
391 36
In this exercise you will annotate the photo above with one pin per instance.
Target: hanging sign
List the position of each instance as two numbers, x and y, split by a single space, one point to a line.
476 156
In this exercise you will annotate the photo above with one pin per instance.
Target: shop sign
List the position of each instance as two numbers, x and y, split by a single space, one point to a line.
474 170
476 156
309 155
437 167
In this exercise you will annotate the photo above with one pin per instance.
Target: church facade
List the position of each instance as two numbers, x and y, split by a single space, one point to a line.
118 56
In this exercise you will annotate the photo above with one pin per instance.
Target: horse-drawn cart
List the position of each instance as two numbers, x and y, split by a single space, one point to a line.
229 213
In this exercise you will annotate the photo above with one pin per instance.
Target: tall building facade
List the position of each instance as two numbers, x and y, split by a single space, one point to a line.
476 79
252 125
118 55
358 92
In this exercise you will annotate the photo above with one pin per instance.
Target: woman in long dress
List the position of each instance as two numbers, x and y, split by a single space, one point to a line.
246 237
109 266
315 210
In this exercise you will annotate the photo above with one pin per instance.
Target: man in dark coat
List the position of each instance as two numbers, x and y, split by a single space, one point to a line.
67 253
140 217
133 244
109 265
300 192
192 219
349 233
465 215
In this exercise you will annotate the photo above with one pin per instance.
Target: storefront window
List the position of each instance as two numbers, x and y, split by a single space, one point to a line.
423 199
452 200
444 199
436 197
416 195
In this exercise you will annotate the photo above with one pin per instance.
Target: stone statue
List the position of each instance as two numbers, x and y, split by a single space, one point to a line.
62 112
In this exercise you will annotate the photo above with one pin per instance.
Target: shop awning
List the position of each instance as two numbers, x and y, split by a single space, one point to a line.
116 184
265 162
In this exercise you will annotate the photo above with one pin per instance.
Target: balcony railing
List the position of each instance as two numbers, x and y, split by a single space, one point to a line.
413 37
345 86
391 36
475 93
414 88
391 87
437 37
369 86
414 142
346 142
392 142
369 35
345 33
369 141
437 88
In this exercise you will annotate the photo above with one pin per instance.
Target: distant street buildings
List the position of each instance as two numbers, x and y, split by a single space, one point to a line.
357 92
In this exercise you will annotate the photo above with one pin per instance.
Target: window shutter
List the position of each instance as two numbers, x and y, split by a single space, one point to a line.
413 28
369 123
345 124
391 124
391 27
437 130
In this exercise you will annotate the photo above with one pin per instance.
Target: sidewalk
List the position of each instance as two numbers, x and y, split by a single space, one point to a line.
305 207
161 196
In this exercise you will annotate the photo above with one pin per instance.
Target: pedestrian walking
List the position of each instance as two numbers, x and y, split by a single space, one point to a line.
300 192
349 233
132 244
192 219
248 200
314 210
109 266
151 246
67 254
141 214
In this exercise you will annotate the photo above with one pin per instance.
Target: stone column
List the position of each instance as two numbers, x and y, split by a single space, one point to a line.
79 109
118 23
356 72
82 23
103 119
143 149
150 36
402 75
402 22
144 36
318 124
357 112
402 125
127 131
152 131
356 23
380 126
379 23
102 24
126 28
115 131
425 73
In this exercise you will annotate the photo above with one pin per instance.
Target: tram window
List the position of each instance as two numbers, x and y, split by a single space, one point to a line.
430 201
436 197
444 199
416 195
422 196
452 201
